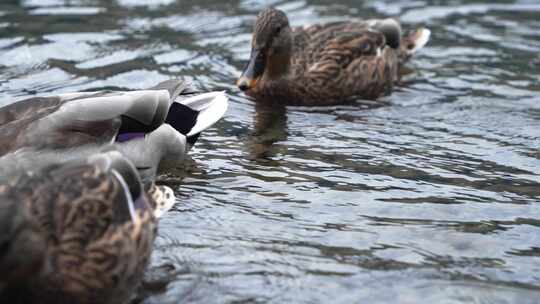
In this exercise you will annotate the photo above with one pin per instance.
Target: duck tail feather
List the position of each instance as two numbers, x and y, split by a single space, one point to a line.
415 41
211 107
191 116
182 118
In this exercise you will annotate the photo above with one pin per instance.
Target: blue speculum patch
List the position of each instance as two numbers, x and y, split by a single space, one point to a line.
129 136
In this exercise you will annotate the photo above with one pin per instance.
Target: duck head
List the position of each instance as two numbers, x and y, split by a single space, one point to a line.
271 49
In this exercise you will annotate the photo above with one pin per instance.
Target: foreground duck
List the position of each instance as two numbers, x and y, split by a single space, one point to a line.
325 64
57 128
78 202
77 232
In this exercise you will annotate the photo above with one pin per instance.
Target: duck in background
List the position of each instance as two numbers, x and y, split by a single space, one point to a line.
326 64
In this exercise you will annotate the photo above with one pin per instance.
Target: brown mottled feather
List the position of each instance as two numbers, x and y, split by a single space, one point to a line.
95 251
331 63
339 64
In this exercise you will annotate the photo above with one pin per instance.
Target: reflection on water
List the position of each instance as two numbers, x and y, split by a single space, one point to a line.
432 197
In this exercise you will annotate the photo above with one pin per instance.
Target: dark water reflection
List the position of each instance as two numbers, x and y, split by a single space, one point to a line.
432 198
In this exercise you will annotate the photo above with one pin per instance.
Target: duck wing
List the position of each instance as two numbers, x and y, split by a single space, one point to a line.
315 41
191 116
347 59
74 119
163 146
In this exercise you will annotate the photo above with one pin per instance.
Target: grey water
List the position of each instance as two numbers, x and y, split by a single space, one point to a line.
432 197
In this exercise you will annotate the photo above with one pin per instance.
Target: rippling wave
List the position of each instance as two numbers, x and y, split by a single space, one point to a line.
431 197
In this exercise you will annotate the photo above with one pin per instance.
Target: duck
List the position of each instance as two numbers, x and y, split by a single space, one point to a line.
78 191
79 231
74 120
326 64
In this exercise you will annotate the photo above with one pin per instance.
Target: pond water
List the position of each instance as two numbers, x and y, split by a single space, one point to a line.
432 198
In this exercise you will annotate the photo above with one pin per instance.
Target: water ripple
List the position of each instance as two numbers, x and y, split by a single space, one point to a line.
432 196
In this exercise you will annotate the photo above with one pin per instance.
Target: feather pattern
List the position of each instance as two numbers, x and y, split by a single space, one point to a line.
98 228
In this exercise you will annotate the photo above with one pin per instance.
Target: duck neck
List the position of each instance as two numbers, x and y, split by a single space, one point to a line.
278 58
277 67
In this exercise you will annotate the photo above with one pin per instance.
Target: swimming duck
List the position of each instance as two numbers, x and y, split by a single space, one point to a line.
77 190
325 64
97 118
77 232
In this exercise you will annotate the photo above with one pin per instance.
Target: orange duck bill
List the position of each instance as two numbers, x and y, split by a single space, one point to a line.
253 71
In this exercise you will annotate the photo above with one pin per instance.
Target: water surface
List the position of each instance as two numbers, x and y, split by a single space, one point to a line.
432 198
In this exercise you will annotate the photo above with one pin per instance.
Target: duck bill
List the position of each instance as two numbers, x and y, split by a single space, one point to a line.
253 72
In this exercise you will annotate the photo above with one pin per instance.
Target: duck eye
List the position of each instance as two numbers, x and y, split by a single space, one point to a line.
278 29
